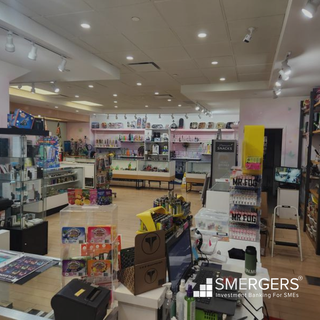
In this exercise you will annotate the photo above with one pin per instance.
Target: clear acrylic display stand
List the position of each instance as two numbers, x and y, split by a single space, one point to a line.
84 217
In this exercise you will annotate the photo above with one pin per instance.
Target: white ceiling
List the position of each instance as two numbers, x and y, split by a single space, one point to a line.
167 35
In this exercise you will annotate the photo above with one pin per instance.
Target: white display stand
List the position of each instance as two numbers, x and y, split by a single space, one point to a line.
288 197
218 200
142 306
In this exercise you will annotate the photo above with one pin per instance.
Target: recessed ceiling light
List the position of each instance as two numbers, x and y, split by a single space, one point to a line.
222 79
202 35
39 115
169 100
146 106
179 105
139 84
116 107
85 26
214 62
129 58
94 114
115 101
76 96
52 82
156 93
135 19
115 95
56 107
77 110
90 86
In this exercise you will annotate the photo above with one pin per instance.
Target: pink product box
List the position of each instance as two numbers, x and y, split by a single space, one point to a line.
253 166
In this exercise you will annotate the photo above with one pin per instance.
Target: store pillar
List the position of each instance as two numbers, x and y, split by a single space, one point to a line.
4 101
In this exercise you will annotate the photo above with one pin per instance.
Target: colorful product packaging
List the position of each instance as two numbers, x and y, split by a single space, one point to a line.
102 234
73 235
72 268
78 197
22 120
104 197
99 268
93 196
71 196
86 197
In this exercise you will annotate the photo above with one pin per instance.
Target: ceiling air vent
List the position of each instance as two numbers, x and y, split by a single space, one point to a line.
144 66
163 96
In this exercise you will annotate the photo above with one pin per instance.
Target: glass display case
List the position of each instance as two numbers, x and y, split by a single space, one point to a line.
56 183
156 168
22 163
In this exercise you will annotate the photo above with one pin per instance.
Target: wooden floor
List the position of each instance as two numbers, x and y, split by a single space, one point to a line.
37 292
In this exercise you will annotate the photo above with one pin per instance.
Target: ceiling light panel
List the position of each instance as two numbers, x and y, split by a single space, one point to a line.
89 103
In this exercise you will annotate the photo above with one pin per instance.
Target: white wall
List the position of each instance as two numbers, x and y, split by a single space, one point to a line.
281 113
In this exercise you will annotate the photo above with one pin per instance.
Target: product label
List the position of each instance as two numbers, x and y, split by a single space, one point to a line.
224 146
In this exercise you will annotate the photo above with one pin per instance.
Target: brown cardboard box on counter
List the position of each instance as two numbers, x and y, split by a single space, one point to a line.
147 271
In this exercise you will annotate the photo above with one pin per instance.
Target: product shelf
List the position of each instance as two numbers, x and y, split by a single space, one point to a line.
118 130
61 183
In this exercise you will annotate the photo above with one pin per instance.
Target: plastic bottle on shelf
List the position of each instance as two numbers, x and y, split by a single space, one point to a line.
167 305
189 305
180 299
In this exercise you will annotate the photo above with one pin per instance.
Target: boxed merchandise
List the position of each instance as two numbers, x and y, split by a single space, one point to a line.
22 119
73 235
143 268
98 268
212 222
104 197
102 234
73 267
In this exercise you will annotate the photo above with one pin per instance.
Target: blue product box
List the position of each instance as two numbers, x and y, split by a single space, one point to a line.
9 120
22 119
73 235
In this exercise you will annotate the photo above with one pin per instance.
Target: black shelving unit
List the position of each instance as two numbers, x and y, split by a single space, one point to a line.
24 132
308 180
33 239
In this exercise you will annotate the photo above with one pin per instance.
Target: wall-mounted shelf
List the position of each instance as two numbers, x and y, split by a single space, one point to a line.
127 141
193 142
131 157
61 183
61 176
202 130
107 147
117 130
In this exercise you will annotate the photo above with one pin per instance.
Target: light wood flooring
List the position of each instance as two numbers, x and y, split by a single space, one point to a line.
37 293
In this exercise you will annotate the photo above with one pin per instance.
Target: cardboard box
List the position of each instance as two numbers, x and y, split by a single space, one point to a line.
148 269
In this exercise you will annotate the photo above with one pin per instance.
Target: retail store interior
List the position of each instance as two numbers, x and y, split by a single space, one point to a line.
159 159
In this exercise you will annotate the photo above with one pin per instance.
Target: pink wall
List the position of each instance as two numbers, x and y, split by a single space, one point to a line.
77 130
281 113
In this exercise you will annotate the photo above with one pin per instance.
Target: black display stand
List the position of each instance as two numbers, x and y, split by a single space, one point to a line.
31 240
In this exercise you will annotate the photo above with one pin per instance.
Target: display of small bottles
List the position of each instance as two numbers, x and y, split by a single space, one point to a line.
239 232
131 137
172 204
111 143
185 139
244 197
